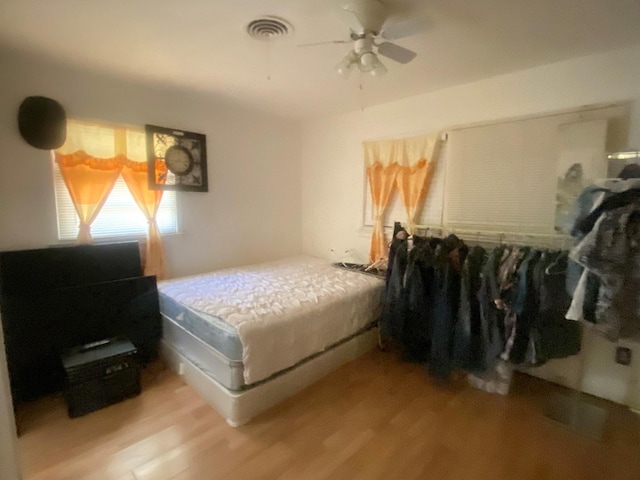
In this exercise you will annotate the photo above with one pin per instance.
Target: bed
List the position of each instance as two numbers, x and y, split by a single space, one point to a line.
247 338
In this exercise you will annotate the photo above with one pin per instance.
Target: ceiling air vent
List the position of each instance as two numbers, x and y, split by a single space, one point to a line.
267 27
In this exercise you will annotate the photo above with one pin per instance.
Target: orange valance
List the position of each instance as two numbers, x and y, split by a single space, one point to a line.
115 163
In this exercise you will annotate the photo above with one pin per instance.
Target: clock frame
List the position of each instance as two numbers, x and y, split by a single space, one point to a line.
161 140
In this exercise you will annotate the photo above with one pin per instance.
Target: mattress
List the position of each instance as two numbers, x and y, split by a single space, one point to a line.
227 372
271 316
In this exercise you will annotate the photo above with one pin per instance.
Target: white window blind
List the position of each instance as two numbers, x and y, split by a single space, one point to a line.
504 177
119 217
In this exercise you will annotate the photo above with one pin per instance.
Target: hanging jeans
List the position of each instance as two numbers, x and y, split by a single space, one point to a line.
559 337
393 308
490 315
468 347
445 305
417 328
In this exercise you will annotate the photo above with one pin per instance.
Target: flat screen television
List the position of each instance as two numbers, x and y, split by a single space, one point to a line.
57 298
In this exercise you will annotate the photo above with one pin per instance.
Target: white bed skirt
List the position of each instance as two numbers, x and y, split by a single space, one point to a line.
240 407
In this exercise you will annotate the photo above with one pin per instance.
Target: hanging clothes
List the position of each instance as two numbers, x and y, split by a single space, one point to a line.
451 307
419 293
468 344
397 229
558 336
449 257
611 251
524 345
393 310
492 318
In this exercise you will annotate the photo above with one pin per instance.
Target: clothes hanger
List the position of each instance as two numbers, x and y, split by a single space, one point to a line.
549 270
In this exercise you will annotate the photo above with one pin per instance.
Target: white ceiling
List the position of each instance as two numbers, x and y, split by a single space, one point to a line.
202 44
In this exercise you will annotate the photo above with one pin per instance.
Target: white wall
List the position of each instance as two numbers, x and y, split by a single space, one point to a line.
252 210
251 213
8 454
332 158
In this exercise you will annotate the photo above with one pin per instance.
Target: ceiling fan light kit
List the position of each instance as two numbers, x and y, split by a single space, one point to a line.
346 64
369 62
378 70
364 57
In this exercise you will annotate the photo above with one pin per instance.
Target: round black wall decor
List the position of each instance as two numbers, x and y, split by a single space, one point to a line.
42 122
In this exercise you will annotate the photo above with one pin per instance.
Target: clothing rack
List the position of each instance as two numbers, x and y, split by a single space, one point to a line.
491 238
570 410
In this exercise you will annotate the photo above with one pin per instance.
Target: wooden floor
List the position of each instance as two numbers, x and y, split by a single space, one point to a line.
374 418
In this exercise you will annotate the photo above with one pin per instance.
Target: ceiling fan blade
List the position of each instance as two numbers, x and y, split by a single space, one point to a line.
396 52
404 29
315 44
364 15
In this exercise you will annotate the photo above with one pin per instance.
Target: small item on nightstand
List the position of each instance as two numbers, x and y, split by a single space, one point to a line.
99 374
361 268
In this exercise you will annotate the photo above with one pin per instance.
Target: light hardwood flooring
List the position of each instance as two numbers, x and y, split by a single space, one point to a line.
375 418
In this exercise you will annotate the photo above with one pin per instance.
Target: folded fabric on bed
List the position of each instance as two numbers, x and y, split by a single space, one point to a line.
283 311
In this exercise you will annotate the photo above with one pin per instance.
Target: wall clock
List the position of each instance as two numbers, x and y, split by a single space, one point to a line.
183 153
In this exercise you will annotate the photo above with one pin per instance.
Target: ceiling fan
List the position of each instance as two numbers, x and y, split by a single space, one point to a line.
370 35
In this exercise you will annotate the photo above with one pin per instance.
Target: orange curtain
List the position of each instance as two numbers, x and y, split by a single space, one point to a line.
381 182
115 150
406 163
135 176
413 184
89 181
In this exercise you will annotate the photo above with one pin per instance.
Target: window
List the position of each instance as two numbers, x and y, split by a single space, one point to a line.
105 147
119 217
504 176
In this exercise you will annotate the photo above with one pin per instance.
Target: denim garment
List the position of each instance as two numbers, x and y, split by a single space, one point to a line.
508 286
616 241
397 227
393 308
417 325
612 202
612 252
446 288
534 348
618 309
526 309
576 310
574 272
559 337
591 204
507 271
468 347
591 297
490 315
590 198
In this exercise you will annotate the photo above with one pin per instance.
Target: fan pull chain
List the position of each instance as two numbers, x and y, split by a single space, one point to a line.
361 90
269 58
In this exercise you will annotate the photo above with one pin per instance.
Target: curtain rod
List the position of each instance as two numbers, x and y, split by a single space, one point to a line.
106 124
492 236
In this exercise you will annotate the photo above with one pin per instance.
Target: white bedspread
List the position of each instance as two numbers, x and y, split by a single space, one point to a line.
283 311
